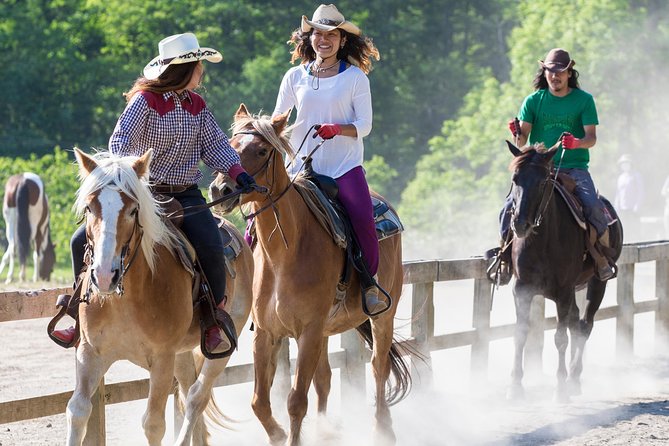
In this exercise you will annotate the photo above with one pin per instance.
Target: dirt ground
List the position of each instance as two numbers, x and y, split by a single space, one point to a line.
626 404
625 401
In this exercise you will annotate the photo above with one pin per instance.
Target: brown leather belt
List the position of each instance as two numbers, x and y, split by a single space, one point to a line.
171 188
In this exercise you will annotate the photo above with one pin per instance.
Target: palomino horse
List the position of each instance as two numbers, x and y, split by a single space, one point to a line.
26 211
297 269
549 259
140 305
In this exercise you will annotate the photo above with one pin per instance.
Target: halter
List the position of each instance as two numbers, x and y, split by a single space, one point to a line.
545 199
119 264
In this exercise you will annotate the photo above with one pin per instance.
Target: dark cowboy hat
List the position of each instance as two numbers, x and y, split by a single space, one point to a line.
557 60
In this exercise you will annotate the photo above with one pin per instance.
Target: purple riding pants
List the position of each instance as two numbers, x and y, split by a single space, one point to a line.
354 196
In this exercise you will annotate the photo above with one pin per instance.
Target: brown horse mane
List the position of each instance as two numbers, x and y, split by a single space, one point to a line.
528 153
263 125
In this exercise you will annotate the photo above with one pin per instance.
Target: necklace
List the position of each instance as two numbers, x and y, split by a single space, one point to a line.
314 72
320 69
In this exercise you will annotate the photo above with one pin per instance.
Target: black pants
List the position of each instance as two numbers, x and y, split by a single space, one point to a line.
201 230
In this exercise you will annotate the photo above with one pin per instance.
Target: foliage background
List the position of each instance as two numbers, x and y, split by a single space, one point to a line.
452 73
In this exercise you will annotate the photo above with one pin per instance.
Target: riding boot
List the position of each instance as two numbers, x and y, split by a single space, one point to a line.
216 339
602 263
67 337
499 269
373 304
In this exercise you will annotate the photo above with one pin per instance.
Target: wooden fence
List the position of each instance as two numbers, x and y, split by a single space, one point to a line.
422 275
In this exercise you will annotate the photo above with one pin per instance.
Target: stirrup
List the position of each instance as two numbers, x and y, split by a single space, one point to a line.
225 323
369 312
70 306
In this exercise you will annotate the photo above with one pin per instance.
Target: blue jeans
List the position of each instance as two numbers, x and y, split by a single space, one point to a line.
586 192
201 230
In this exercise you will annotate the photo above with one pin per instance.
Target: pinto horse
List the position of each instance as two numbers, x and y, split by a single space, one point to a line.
140 301
26 212
297 270
549 255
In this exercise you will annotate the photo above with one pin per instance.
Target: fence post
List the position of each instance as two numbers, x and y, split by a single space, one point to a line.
625 319
353 374
481 323
422 331
95 431
535 338
662 293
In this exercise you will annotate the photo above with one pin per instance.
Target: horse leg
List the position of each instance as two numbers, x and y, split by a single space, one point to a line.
5 258
382 335
196 396
523 301
265 349
89 371
10 220
35 264
565 301
577 343
309 346
161 376
581 333
323 379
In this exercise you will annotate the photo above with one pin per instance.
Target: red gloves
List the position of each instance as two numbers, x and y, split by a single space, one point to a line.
569 142
327 131
514 126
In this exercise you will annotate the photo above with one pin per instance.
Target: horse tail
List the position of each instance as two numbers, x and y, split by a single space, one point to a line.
23 231
401 373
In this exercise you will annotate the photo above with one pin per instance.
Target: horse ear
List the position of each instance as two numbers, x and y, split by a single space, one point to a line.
86 163
141 166
514 150
279 121
242 112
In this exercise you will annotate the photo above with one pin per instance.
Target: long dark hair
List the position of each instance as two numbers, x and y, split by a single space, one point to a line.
540 82
175 77
358 50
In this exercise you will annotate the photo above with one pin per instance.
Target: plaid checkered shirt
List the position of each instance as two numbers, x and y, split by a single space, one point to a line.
181 131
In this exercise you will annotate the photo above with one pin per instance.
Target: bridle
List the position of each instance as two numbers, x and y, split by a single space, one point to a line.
118 264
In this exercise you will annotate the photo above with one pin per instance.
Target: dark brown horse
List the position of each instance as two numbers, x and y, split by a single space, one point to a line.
26 212
549 259
297 268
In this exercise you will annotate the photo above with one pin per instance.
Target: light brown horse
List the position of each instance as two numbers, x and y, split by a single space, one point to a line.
141 306
297 270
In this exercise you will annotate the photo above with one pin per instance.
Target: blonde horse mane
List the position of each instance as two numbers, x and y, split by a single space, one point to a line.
118 173
263 125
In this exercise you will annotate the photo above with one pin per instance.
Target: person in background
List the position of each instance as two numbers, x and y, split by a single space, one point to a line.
330 91
559 110
164 113
629 197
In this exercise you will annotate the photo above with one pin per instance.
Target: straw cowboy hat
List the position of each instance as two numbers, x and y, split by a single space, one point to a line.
557 60
327 18
178 49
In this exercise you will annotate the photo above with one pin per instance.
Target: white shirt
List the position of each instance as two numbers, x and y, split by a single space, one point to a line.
341 99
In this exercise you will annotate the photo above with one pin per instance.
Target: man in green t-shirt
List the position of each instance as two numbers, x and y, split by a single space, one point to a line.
559 110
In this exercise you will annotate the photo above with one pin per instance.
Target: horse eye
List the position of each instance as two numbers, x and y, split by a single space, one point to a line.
134 212
262 152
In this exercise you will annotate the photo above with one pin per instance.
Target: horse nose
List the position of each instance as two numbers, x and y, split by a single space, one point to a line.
106 283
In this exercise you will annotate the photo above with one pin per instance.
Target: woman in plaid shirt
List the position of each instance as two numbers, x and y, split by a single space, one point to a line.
165 114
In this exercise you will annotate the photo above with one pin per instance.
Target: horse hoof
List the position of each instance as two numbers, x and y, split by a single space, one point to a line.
573 388
562 396
278 438
516 392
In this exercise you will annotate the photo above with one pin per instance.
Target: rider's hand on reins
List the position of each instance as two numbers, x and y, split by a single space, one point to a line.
569 142
327 131
246 182
514 126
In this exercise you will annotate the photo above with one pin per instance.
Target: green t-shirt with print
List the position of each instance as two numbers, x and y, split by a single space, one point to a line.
551 115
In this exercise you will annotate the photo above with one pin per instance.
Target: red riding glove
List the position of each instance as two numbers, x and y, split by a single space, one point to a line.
327 131
514 126
569 142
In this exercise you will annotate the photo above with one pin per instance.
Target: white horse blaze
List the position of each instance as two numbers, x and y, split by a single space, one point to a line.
110 207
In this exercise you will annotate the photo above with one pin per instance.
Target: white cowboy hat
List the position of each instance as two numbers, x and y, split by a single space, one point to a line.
178 49
327 18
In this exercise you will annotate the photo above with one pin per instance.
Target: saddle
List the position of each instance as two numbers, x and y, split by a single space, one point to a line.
202 296
320 194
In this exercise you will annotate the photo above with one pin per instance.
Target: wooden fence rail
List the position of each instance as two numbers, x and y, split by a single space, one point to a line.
422 275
